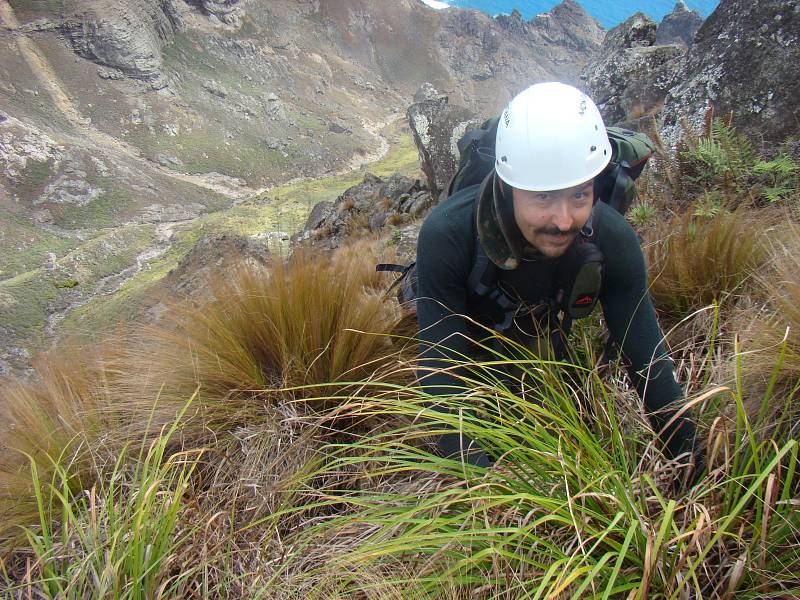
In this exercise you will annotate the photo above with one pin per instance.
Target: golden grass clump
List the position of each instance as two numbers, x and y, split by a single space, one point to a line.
61 417
771 330
260 366
696 261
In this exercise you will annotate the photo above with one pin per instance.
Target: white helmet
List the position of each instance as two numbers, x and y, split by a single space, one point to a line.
550 137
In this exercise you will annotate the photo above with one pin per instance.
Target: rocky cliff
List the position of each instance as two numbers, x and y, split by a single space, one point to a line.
128 37
630 75
744 61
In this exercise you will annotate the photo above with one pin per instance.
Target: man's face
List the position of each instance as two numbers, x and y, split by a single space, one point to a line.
549 221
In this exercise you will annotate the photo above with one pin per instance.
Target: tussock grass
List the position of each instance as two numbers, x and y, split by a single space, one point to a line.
571 509
265 360
264 335
118 538
771 329
60 418
697 261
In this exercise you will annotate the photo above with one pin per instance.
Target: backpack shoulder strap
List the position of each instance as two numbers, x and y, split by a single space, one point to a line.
483 282
407 280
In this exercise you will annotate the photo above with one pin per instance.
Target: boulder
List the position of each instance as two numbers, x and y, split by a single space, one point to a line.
427 92
436 126
321 212
744 61
211 257
630 76
215 88
679 26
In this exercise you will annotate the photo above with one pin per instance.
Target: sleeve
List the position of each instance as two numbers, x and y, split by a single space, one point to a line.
443 265
442 271
632 322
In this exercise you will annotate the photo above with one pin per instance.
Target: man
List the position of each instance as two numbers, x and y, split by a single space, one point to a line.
537 207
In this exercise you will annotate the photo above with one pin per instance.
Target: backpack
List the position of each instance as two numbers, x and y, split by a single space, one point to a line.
580 269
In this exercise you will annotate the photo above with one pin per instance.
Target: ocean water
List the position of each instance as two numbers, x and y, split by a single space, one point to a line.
608 12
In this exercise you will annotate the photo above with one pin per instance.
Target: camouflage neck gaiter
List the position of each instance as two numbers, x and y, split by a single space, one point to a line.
498 232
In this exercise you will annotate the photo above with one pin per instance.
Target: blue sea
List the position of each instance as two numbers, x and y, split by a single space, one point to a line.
609 13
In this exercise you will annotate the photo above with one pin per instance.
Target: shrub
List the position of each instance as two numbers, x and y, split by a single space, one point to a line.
724 164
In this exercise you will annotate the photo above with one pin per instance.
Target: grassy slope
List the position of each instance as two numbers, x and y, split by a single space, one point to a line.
282 209
261 487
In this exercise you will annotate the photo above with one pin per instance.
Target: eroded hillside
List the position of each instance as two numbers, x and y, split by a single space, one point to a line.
123 123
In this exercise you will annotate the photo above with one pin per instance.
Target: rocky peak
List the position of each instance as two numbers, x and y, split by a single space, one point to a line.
744 60
571 26
629 77
636 31
679 26
513 23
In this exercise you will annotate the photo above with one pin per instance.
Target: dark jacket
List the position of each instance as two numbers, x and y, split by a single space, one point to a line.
445 254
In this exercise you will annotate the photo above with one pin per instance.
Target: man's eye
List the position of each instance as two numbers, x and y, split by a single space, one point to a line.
581 195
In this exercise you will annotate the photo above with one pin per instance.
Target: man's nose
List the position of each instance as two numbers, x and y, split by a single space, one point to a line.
562 216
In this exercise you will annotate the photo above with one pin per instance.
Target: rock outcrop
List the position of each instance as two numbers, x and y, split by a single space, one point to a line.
569 26
679 26
229 12
127 37
368 207
211 257
630 76
437 126
744 60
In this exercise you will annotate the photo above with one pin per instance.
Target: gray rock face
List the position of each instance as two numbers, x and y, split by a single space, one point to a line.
636 31
744 59
630 76
679 26
321 212
437 126
427 92
127 36
215 88
210 257
229 12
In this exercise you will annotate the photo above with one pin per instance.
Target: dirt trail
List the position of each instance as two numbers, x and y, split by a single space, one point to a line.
49 80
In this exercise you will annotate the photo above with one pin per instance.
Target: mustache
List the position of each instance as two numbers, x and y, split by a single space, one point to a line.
557 231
